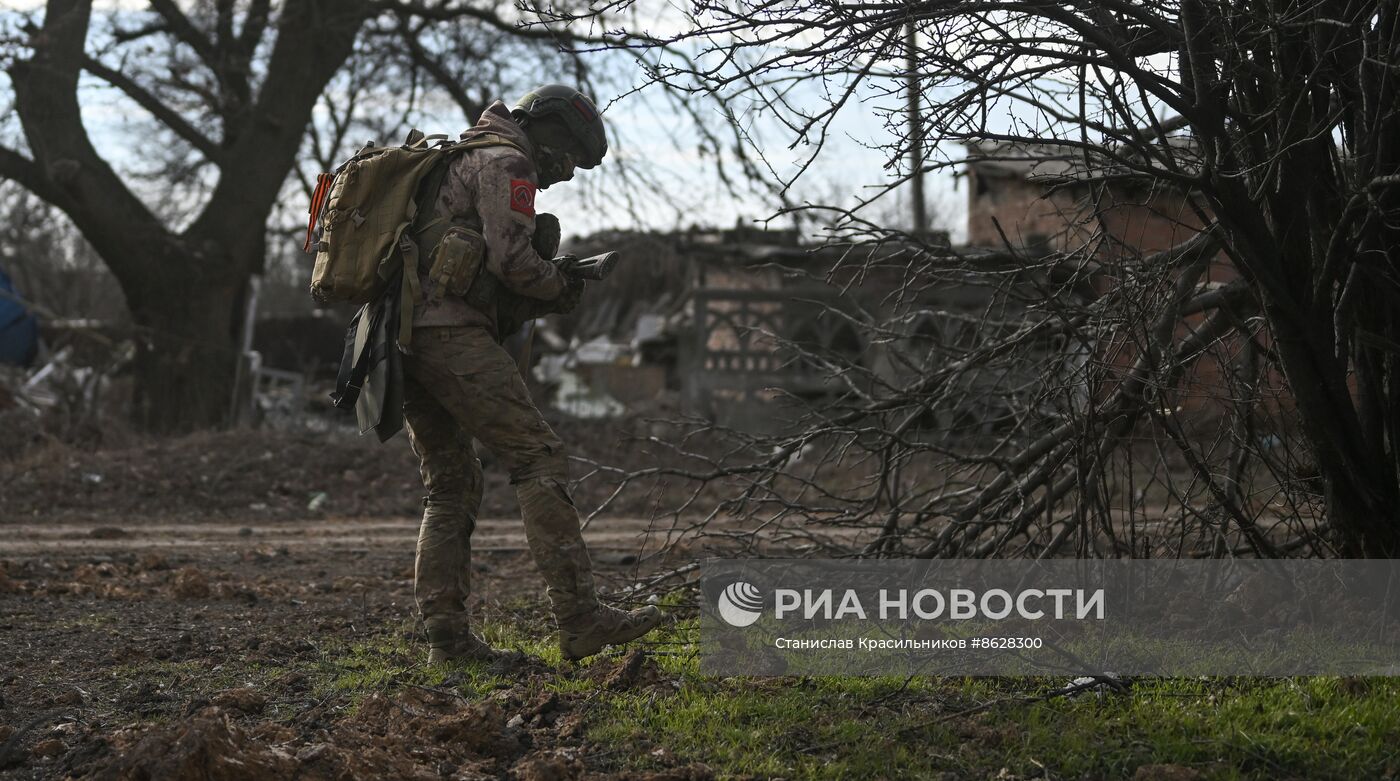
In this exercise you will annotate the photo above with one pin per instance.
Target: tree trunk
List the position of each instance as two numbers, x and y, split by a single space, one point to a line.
188 313
184 366
185 291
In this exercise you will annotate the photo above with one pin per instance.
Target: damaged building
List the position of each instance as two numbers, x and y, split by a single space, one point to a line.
723 324
731 325
736 325
1054 198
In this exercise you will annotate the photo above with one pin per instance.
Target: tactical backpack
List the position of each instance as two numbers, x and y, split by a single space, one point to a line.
367 222
360 220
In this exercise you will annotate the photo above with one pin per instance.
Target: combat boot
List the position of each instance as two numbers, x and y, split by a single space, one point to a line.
450 643
586 634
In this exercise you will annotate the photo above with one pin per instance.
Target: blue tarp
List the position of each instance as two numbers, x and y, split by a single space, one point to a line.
19 331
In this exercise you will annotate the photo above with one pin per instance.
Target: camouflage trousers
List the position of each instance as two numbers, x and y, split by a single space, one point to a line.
460 386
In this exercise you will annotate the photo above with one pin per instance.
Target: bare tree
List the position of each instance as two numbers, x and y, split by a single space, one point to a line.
50 263
229 87
1263 130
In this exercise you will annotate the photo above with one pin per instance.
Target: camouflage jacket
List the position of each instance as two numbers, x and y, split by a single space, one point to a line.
498 185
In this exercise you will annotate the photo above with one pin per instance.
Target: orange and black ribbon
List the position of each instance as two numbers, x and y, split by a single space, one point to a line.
318 202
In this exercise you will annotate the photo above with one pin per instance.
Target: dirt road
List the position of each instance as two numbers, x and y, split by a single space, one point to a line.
240 604
164 649
617 538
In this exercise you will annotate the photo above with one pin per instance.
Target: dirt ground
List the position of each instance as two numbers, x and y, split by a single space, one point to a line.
255 476
191 609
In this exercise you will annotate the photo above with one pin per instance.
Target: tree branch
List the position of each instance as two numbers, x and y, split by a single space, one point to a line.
75 177
444 78
450 11
185 31
314 39
166 115
254 24
18 168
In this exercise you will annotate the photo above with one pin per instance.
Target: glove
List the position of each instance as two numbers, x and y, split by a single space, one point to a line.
571 294
547 235
513 311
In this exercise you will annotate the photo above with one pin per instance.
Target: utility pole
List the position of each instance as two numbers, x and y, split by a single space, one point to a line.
916 132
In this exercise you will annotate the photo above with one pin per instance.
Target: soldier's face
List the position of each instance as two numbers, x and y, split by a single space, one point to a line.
555 164
556 151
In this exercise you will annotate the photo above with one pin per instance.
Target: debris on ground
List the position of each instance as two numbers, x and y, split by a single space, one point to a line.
7 585
244 699
207 746
548 767
635 670
157 622
190 583
412 734
272 475
1097 684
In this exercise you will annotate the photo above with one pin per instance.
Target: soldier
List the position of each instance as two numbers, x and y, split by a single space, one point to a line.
461 385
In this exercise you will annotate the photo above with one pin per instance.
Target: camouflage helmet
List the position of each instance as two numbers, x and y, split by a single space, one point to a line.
578 113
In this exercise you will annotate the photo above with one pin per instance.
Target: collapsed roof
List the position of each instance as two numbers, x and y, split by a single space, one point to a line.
1053 162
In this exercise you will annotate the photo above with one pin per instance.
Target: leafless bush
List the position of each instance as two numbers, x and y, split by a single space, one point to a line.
1232 391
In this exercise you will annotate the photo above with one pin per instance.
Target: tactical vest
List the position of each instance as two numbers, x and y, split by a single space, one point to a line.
457 258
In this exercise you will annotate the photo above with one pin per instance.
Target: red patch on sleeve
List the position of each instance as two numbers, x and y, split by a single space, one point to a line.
522 196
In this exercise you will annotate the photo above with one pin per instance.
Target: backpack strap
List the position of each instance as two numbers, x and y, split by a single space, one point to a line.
411 245
417 140
427 219
485 140
410 290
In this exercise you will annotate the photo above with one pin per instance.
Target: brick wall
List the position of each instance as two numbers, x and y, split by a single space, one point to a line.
1031 216
1036 216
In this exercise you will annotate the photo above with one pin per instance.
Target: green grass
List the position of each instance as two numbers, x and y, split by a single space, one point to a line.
829 728
833 728
1246 728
